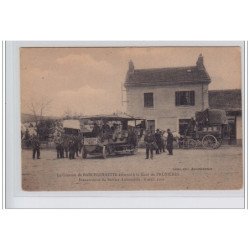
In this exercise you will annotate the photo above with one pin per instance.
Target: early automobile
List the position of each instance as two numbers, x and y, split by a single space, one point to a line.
105 135
208 130
71 127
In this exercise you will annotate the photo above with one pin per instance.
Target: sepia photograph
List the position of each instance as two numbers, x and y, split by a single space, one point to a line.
131 118
124 124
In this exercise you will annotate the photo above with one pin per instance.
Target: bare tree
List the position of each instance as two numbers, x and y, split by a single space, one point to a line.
38 109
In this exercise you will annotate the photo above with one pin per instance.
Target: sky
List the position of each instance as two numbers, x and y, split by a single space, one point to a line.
89 80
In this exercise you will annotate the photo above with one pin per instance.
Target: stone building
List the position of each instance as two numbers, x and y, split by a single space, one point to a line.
167 97
230 101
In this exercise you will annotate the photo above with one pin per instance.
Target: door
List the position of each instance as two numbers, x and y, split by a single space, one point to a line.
183 125
151 125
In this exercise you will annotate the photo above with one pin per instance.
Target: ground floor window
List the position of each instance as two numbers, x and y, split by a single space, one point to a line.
183 125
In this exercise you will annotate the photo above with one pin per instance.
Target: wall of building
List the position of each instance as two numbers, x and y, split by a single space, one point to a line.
165 113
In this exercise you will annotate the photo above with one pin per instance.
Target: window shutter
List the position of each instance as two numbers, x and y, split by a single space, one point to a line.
192 98
177 98
145 100
151 103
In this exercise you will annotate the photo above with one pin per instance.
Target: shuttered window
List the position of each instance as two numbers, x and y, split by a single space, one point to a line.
185 98
148 100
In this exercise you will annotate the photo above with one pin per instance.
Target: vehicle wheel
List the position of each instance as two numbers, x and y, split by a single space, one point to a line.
218 144
198 144
191 143
209 141
134 151
104 152
84 154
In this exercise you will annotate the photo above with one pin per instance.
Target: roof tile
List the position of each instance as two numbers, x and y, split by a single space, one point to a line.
191 74
229 100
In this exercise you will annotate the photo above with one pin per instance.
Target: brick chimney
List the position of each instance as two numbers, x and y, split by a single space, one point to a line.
131 67
199 63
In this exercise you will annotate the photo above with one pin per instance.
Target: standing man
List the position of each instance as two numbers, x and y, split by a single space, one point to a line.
170 140
96 130
61 148
158 141
162 142
27 138
71 149
35 147
65 145
76 145
132 137
149 139
58 143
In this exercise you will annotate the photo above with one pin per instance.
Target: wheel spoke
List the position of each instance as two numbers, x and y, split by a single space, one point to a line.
209 141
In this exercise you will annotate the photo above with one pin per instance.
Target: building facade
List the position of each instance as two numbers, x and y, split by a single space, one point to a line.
167 97
230 101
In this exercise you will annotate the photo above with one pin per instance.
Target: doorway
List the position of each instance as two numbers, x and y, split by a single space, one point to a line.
151 125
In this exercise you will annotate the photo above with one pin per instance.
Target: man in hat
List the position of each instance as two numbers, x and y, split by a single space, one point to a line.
65 145
170 140
149 139
158 140
71 149
59 147
35 147
105 127
96 130
162 142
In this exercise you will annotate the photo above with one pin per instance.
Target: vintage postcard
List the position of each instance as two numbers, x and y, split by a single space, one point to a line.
131 118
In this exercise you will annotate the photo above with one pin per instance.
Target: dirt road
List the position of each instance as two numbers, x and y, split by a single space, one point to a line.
186 169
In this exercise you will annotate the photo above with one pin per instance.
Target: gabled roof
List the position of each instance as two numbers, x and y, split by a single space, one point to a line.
165 76
229 100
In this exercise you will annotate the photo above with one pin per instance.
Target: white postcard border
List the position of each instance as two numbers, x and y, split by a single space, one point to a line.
17 198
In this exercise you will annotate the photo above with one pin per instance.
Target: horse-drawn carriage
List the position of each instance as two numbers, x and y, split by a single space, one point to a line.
105 135
208 130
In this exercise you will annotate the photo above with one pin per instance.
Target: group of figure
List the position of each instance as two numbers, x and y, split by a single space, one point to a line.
113 132
102 130
155 141
68 146
105 130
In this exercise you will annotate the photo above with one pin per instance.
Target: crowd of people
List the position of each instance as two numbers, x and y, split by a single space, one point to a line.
70 145
115 132
156 142
67 146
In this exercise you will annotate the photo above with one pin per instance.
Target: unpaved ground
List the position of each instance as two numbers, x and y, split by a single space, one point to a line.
186 169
